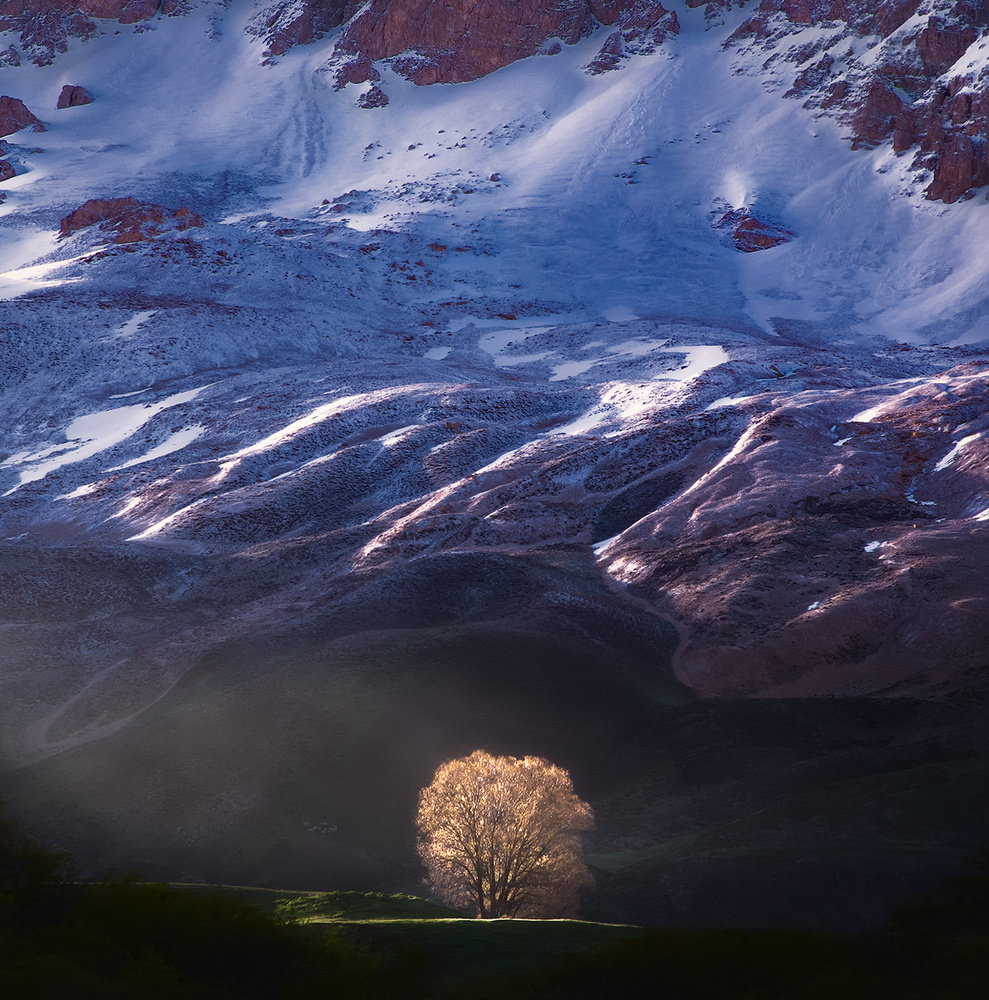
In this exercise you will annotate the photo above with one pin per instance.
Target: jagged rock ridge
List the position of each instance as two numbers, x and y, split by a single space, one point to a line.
44 27
911 83
908 85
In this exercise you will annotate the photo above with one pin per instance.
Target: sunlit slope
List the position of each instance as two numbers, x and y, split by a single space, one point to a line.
607 186
465 422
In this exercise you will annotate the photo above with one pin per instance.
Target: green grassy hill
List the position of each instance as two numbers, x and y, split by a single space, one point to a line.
936 949
446 945
119 939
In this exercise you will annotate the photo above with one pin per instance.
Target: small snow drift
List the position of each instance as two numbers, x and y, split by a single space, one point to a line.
130 220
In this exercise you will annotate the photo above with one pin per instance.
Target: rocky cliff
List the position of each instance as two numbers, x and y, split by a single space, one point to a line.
42 29
910 73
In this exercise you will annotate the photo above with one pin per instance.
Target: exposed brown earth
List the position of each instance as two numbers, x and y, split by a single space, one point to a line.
750 234
128 220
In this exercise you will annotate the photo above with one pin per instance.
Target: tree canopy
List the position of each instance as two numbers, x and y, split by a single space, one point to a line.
502 835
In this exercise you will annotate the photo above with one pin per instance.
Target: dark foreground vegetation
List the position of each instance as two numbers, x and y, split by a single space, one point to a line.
119 939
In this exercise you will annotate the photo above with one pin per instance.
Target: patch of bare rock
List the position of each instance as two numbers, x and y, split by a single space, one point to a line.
749 233
15 115
373 98
284 26
639 29
44 27
460 41
127 220
909 85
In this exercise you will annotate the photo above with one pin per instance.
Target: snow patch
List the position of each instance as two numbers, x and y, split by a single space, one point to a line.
134 323
79 491
88 435
176 441
952 455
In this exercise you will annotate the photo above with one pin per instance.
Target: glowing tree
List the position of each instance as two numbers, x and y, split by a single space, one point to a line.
501 835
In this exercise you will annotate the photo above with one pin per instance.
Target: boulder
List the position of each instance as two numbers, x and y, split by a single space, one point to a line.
73 97
6 171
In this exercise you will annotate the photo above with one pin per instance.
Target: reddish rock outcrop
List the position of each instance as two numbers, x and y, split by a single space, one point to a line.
465 40
641 27
461 41
894 89
961 166
878 114
45 26
749 233
73 97
127 220
288 25
15 115
356 71
6 171
374 98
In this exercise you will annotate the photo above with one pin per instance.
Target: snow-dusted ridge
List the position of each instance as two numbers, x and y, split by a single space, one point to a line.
569 370
542 242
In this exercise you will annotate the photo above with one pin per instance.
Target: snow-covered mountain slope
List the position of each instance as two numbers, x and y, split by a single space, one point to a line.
637 385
